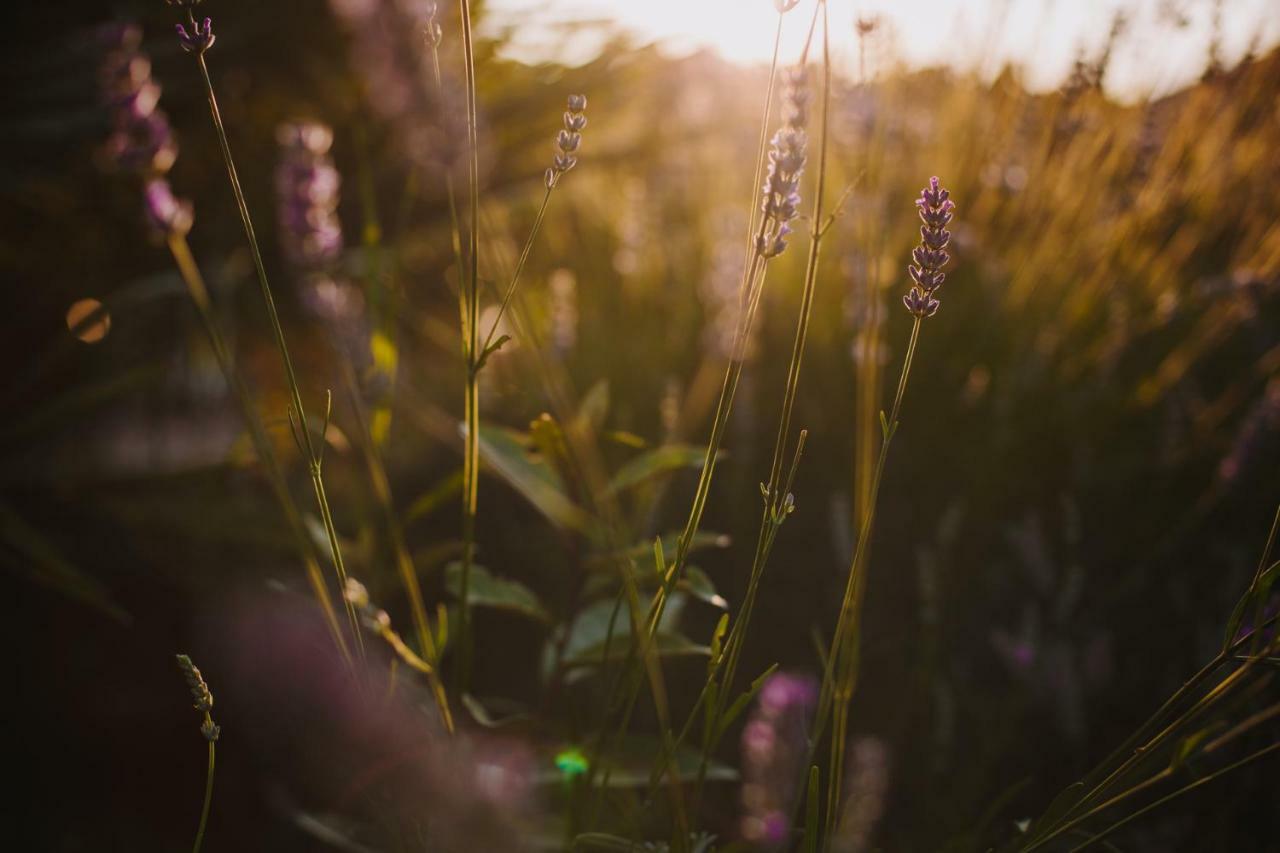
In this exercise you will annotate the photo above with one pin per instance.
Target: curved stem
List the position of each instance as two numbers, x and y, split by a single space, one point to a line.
515 276
199 294
295 393
208 800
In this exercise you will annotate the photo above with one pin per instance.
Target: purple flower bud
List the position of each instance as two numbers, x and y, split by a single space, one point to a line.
936 210
920 303
568 140
199 40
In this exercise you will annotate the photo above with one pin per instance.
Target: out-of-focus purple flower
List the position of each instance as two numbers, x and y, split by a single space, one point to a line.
387 49
568 140
168 215
141 141
773 754
936 209
868 785
200 39
787 158
1258 426
307 189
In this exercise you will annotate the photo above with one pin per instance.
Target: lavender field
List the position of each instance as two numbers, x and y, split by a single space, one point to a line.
584 425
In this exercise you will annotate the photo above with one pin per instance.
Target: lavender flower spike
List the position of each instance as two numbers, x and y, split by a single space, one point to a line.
568 140
200 39
787 158
936 209
141 142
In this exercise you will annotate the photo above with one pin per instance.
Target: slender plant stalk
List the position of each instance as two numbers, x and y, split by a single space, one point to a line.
1137 743
777 491
840 672
404 561
199 294
754 272
515 276
314 459
1248 759
1070 819
471 353
208 801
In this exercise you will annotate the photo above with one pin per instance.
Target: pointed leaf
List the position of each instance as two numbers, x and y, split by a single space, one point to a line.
811 813
486 590
739 705
507 454
435 497
697 584
661 460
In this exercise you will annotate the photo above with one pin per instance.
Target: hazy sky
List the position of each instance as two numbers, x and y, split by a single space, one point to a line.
1164 46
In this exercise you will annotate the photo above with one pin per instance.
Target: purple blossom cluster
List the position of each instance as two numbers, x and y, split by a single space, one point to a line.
787 158
773 755
568 140
387 50
307 190
936 209
141 141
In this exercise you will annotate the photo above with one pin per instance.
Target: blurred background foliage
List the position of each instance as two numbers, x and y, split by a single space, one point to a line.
1082 484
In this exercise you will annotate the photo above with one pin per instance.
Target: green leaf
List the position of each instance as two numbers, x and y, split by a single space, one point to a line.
487 590
435 497
593 409
1065 800
588 633
603 841
740 704
668 644
482 716
717 636
1189 744
626 439
661 460
490 350
1257 592
697 584
702 540
39 558
811 812
507 453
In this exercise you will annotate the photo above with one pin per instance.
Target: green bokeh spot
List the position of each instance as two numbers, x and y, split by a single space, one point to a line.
571 762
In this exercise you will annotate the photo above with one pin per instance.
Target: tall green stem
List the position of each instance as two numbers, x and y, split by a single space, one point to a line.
305 439
776 490
753 276
471 350
208 801
841 662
